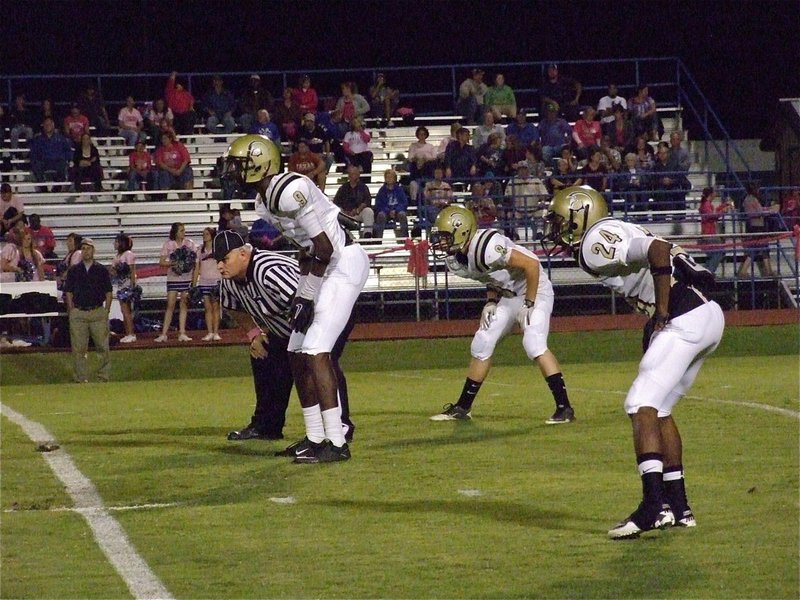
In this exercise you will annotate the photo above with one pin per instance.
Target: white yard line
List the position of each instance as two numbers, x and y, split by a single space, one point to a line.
110 536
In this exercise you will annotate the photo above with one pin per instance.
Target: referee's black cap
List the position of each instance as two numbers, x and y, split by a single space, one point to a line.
224 242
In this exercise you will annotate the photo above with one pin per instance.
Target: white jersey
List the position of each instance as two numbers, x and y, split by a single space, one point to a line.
487 261
299 210
606 252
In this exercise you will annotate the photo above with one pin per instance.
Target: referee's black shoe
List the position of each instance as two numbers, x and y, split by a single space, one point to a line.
251 433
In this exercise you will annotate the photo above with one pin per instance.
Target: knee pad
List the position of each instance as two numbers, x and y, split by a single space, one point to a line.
483 344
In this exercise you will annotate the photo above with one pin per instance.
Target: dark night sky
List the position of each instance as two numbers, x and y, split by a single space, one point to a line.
744 55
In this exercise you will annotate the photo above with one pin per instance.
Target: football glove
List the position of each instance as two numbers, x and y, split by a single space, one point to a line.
302 314
525 315
488 314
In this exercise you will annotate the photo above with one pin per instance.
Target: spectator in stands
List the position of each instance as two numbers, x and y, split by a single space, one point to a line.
337 129
490 163
86 165
632 182
500 99
391 204
481 203
460 159
569 156
668 186
440 151
354 199
254 98
73 257
123 281
230 220
756 223
422 157
92 105
643 114
23 260
356 146
43 238
23 121
562 92
594 173
526 132
563 177
533 158
607 107
75 125
172 163
207 277
679 163
306 96
264 126
437 194
287 116
87 292
586 133
219 105
620 130
181 102
481 133
130 122
554 133
611 158
527 194
471 94
12 209
14 235
709 219
159 113
48 109
351 104
178 256
318 139
50 154
140 168
645 157
309 164
513 154
790 209
384 100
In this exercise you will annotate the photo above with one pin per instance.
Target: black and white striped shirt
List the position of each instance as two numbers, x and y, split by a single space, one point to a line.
270 283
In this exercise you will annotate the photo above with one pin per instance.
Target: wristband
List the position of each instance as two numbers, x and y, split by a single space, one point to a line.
254 333
308 287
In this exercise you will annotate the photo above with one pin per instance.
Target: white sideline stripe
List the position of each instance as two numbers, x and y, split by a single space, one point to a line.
94 508
110 536
786 412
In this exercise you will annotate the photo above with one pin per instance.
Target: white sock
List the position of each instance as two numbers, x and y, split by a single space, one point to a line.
333 426
315 430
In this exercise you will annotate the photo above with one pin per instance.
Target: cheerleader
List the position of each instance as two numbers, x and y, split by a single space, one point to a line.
73 257
178 255
206 273
123 277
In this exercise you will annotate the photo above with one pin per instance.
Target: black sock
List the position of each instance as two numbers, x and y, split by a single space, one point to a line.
675 490
559 389
468 393
651 468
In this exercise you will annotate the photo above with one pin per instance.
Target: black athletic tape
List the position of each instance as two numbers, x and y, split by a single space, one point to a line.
661 270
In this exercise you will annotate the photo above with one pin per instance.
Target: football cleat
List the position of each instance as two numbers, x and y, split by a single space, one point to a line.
452 412
642 519
564 414
687 520
291 449
322 453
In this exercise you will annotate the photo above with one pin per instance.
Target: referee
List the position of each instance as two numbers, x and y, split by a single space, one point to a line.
257 288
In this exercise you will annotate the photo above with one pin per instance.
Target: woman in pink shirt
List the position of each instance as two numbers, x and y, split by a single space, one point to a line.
130 122
123 277
172 160
23 262
208 277
306 96
178 255
356 146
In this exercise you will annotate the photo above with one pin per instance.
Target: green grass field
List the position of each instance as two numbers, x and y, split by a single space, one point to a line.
500 507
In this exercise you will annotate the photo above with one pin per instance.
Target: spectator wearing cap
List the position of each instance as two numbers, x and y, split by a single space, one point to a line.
318 138
526 132
219 106
500 99
253 99
87 293
308 163
305 95
384 100
471 92
554 133
181 102
264 126
562 91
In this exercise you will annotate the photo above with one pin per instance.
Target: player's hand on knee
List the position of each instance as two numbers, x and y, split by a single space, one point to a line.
302 314
488 314
258 347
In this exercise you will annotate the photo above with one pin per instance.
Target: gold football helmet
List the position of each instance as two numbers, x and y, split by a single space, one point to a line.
572 211
454 227
251 158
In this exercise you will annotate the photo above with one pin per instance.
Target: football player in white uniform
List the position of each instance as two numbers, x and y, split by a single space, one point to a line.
518 291
333 271
661 281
